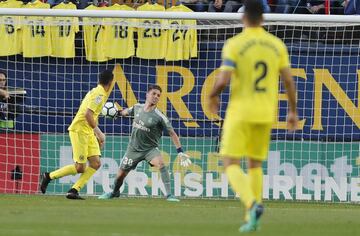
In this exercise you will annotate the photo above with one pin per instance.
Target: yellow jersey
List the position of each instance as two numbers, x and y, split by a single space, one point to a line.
36 37
151 37
94 37
63 33
255 58
181 37
119 35
10 30
94 100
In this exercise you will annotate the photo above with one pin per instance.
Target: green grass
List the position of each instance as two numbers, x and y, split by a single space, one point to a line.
57 216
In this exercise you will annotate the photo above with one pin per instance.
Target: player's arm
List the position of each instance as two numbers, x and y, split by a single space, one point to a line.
220 84
289 84
4 94
227 67
124 112
89 116
175 139
127 111
184 158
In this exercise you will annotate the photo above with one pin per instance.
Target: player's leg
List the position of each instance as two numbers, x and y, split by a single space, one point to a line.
234 142
118 182
93 158
88 172
155 159
128 163
257 152
255 173
239 181
79 152
234 145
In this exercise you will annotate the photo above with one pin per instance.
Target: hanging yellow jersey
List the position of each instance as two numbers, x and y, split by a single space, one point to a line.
94 37
12 4
119 35
182 37
190 37
63 32
151 37
10 30
36 37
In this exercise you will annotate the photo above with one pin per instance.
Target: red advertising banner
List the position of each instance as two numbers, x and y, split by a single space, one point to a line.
19 163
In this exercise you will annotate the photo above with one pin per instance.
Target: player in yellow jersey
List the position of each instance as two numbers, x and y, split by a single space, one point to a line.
252 61
86 138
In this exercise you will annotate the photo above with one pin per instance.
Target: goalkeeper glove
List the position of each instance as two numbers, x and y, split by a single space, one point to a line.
184 158
118 114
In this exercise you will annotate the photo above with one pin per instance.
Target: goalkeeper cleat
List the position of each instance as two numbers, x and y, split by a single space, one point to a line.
109 195
254 214
73 194
45 180
172 198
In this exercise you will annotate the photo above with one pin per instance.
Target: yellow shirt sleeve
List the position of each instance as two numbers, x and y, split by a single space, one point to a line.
284 57
228 57
95 103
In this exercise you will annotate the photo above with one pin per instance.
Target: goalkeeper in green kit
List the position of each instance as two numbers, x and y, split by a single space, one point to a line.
147 128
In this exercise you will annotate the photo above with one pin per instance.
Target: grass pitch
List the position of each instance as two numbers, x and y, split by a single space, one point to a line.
56 216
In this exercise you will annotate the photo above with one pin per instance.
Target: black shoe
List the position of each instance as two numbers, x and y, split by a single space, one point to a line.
116 194
45 180
74 195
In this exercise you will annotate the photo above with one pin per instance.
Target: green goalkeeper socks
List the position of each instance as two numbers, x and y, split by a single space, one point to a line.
165 177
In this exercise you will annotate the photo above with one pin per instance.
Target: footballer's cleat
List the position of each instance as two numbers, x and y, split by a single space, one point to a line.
259 212
74 195
254 214
109 195
172 198
45 180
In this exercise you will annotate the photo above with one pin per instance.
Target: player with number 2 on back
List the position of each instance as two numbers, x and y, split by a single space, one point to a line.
147 128
252 61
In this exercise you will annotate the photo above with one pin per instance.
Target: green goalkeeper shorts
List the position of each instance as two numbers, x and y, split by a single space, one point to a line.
132 158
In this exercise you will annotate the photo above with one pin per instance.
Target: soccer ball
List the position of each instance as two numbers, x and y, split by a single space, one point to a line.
109 110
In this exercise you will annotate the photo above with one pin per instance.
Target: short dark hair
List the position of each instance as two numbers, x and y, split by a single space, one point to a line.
106 77
254 10
154 86
3 72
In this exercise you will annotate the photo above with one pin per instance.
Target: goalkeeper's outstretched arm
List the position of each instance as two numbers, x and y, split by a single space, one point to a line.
124 112
184 158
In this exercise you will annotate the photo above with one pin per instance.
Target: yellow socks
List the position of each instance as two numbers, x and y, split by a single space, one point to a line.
63 171
240 183
84 178
256 181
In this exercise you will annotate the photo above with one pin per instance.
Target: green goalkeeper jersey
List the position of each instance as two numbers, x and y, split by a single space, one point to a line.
147 128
